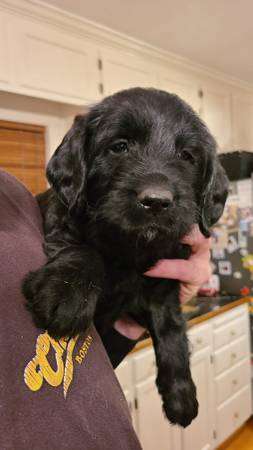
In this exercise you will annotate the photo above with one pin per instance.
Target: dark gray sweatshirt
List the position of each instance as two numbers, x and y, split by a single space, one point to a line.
53 395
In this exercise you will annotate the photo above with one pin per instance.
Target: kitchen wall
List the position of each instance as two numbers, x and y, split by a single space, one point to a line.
51 55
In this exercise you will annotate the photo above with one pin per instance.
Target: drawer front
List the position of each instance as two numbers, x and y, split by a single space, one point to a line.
232 381
230 332
233 314
124 374
199 338
233 414
230 355
144 365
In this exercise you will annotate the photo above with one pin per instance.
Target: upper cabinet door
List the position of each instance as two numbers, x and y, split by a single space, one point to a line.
55 65
216 113
124 71
185 88
242 115
4 50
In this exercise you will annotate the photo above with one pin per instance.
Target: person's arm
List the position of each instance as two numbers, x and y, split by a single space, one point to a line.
121 339
118 345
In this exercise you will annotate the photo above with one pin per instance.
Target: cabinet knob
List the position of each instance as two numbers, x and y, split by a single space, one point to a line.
199 340
235 382
233 333
233 355
236 415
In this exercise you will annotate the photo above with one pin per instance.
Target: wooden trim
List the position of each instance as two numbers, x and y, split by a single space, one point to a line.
217 312
142 344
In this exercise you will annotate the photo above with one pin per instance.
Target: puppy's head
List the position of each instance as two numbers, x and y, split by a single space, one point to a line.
140 159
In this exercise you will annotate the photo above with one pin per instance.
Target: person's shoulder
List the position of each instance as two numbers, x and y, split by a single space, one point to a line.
11 185
15 196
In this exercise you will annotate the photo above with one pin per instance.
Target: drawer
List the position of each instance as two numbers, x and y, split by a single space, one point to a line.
199 338
144 364
230 331
233 414
124 374
226 317
231 354
232 381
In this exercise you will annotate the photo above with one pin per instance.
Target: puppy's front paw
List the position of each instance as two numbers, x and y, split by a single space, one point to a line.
63 307
180 403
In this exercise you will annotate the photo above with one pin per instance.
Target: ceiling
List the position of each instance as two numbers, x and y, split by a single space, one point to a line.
214 33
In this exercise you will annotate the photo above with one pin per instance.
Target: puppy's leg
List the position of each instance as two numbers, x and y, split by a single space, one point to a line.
62 295
174 379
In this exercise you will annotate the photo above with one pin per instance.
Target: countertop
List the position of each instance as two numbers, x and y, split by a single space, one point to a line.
200 318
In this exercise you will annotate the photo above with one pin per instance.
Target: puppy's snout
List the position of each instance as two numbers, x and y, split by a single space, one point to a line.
155 199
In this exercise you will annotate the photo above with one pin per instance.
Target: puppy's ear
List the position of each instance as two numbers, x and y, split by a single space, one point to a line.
66 170
214 196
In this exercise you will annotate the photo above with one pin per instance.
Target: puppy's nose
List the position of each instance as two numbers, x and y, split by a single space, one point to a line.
155 199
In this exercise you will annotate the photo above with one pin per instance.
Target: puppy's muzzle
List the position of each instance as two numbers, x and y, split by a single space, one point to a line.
155 199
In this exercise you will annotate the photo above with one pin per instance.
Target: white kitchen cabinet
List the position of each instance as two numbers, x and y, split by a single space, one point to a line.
137 375
52 64
242 120
154 431
232 414
220 366
124 375
4 51
216 113
123 70
232 380
199 435
175 83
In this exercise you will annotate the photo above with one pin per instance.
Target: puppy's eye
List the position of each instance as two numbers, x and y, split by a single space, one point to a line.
119 147
187 156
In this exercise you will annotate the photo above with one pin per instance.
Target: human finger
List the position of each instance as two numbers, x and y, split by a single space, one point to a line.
187 271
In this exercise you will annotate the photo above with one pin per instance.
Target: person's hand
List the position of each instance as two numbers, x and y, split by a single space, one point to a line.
129 328
192 273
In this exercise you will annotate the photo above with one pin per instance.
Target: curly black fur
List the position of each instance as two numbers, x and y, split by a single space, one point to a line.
128 181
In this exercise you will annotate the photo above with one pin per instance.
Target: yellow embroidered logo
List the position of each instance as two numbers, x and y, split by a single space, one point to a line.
39 368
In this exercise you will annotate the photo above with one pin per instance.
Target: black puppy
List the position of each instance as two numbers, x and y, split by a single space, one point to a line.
128 181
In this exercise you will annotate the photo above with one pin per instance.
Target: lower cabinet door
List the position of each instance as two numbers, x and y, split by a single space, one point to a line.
233 413
198 435
130 401
153 430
